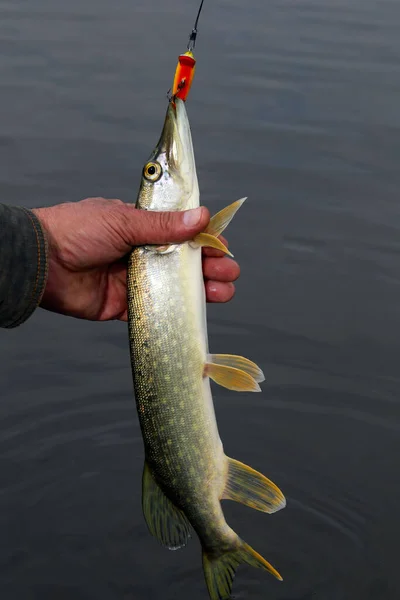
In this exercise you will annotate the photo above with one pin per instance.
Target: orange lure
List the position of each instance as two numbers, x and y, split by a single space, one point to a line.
186 66
184 75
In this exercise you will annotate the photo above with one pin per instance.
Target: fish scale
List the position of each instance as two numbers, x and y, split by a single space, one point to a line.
186 472
168 357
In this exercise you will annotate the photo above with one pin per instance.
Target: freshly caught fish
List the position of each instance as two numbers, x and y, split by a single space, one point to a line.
186 473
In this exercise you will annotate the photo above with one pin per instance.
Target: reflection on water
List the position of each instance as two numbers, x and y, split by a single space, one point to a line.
295 105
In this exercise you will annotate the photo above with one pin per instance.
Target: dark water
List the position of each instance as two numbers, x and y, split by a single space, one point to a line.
296 105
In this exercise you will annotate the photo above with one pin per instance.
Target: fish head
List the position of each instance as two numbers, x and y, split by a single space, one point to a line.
169 178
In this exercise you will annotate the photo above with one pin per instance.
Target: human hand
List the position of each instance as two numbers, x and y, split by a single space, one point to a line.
88 244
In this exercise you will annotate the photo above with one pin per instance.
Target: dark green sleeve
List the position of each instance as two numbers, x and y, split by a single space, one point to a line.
23 264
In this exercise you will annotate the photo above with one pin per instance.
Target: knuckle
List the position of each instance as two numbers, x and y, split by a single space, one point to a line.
117 202
166 221
93 199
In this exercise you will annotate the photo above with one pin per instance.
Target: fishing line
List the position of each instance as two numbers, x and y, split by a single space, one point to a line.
193 35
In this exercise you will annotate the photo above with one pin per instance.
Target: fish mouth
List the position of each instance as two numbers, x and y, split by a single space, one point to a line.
175 151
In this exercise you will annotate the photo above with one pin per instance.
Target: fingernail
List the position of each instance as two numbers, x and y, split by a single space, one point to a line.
192 217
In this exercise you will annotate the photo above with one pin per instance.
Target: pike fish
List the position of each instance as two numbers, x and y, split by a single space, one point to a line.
186 472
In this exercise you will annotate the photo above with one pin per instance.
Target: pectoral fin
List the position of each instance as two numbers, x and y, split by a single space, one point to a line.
219 222
165 521
210 241
237 362
231 378
247 486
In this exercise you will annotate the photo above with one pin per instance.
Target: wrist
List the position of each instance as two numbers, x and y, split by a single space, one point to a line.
44 216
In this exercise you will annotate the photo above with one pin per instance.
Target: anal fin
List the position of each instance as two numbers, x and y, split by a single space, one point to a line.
165 521
249 487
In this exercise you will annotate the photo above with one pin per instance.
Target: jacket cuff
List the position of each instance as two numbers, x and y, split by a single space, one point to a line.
23 264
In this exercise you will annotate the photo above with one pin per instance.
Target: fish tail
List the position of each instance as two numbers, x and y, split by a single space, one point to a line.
219 570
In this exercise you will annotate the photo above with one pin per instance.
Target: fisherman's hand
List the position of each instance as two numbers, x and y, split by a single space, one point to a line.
88 245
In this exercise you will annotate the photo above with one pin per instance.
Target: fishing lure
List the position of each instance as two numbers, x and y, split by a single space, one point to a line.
186 66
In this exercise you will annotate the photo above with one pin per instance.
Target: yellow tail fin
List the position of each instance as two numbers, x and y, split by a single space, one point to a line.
219 571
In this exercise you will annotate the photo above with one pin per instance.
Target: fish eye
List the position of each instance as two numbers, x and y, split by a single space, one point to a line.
152 171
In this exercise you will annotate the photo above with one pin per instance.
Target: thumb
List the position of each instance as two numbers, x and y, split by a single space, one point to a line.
151 227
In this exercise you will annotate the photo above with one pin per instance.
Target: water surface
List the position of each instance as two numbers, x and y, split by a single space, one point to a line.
296 105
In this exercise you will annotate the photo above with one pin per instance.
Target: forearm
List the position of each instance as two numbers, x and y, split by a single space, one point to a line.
23 264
